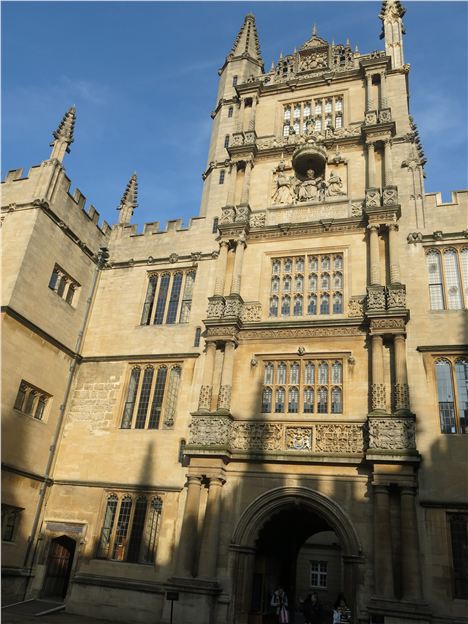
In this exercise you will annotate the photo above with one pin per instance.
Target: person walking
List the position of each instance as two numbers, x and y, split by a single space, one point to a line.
312 609
279 600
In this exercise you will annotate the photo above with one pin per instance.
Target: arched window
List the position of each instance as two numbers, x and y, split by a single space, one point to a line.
298 305
276 267
109 517
337 303
131 396
308 400
288 265
152 529
286 306
313 282
313 263
323 373
435 280
309 373
337 373
325 304
30 402
230 111
338 280
70 294
149 300
222 175
294 373
196 341
452 280
118 551
226 141
300 264
336 403
446 396
19 401
322 404
186 304
61 285
287 284
275 284
293 403
162 296
281 373
144 398
138 525
325 263
287 113
54 279
312 306
279 404
266 400
299 283
268 375
274 306
172 393
174 298
40 407
158 396
325 281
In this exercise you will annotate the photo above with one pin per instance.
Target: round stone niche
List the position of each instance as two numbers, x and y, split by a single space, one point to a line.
309 157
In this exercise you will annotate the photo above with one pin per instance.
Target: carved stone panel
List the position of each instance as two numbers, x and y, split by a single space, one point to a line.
251 311
375 298
392 433
256 436
299 438
209 430
339 438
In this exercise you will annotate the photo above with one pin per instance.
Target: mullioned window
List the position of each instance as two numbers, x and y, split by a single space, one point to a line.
168 298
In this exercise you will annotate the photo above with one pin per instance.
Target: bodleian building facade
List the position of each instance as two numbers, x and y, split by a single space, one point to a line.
274 395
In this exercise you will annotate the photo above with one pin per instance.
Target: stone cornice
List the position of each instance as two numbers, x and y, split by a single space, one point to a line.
445 348
173 260
144 357
317 228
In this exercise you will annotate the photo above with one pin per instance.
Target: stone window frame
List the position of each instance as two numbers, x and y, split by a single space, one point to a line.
444 277
10 522
290 117
65 286
222 176
32 401
457 545
450 416
150 395
159 303
302 385
307 293
122 530
319 572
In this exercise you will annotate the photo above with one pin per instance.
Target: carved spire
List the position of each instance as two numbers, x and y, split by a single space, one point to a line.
391 14
128 203
63 136
246 44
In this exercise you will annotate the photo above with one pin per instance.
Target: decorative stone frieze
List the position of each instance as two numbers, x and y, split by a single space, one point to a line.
257 219
356 306
401 397
224 397
242 214
210 430
216 307
204 401
373 198
339 438
383 325
233 306
396 297
256 436
301 332
370 118
392 434
378 397
228 215
390 196
385 115
238 215
356 208
299 438
251 312
375 299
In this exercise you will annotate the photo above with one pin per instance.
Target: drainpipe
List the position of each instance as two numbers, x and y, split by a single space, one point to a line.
102 257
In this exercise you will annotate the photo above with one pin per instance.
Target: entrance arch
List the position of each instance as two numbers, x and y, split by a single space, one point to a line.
58 567
309 511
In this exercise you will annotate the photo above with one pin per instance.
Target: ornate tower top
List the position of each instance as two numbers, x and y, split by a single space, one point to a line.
246 44
391 14
128 203
64 135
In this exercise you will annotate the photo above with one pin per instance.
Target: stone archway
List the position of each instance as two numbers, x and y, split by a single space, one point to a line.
260 512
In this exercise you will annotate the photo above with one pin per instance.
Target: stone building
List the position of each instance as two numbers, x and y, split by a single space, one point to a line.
276 394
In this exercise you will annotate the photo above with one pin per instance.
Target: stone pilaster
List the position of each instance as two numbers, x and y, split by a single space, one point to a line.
237 271
383 559
246 184
224 397
401 390
370 164
206 390
374 255
221 268
231 200
395 277
378 395
188 535
388 162
210 535
410 564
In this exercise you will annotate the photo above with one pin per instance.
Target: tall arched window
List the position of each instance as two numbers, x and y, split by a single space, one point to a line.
298 305
336 403
325 304
446 396
131 396
312 305
308 400
174 298
162 296
322 404
144 398
323 373
452 280
172 393
274 306
158 396
281 378
266 400
286 306
337 373
149 300
337 303
293 403
279 404
309 373
268 376
448 278
294 373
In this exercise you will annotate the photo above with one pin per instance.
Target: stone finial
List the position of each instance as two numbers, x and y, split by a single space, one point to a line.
128 203
391 14
392 9
63 136
246 43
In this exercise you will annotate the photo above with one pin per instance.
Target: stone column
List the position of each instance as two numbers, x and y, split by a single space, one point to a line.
383 91
224 398
188 535
204 403
374 254
383 556
378 399
410 567
221 268
232 185
240 121
393 254
210 535
368 92
388 162
246 185
237 271
401 373
252 114
370 164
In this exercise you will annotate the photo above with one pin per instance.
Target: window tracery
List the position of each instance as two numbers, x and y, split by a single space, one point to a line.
452 392
298 117
63 285
172 291
31 401
447 277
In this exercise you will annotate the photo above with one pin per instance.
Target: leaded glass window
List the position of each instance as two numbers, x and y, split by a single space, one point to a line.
168 298
309 277
31 401
447 270
452 392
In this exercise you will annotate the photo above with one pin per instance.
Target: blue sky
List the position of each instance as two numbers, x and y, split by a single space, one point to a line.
143 76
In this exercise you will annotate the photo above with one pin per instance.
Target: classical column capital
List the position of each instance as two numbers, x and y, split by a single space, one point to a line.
408 490
194 479
217 482
373 226
393 227
370 143
380 488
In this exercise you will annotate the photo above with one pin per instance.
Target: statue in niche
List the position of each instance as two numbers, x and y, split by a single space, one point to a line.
284 193
334 185
311 188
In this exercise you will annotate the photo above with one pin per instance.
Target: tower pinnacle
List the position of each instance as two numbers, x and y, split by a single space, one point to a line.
128 203
63 136
391 14
246 44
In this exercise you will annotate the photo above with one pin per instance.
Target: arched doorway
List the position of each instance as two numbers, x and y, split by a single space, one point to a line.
58 567
279 540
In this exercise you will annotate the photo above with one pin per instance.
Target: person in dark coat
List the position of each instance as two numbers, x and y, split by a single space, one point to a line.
312 609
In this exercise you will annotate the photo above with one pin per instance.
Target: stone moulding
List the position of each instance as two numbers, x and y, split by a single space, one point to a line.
221 431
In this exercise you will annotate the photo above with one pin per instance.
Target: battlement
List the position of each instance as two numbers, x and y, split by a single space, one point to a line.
448 216
459 199
49 183
154 227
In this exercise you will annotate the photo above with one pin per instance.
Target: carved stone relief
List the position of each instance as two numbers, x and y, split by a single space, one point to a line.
204 402
356 306
224 397
339 438
209 430
378 397
375 298
299 438
392 433
256 436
